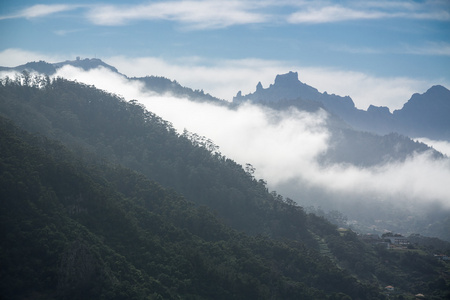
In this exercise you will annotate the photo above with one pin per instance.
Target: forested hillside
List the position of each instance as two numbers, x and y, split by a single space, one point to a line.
78 232
102 126
103 199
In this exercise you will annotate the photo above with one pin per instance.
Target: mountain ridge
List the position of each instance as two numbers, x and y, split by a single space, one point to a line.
47 68
429 109
282 94
288 87
84 226
157 84
416 119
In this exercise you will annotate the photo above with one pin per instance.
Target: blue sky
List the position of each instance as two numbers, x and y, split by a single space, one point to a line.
378 52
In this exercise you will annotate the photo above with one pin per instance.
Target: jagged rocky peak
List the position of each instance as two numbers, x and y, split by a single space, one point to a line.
296 88
259 86
287 79
289 87
379 110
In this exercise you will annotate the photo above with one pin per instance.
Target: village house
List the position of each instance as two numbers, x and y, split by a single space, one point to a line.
441 257
397 240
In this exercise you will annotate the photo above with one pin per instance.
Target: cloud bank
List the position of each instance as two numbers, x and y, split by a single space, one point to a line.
284 146
218 14
13 57
441 146
328 12
40 10
196 14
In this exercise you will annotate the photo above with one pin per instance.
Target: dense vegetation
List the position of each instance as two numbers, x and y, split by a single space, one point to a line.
104 127
76 232
83 217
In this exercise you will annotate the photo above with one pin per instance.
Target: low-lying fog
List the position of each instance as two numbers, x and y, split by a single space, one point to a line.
284 148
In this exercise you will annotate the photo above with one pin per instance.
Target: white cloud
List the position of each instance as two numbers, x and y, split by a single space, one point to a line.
430 48
442 48
192 14
357 50
278 144
366 89
411 179
64 32
285 152
196 14
327 12
40 10
284 146
14 57
200 14
435 15
441 146
113 82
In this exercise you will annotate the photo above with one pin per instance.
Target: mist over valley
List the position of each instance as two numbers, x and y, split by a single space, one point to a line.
280 171
302 147
221 150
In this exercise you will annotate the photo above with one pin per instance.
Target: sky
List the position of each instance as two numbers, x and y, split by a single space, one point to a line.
377 52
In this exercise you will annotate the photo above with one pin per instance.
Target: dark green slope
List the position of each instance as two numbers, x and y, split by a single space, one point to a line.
96 210
102 126
81 232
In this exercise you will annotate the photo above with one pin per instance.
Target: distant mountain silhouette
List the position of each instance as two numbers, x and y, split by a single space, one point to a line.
288 87
51 68
86 64
40 67
162 85
424 115
157 84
